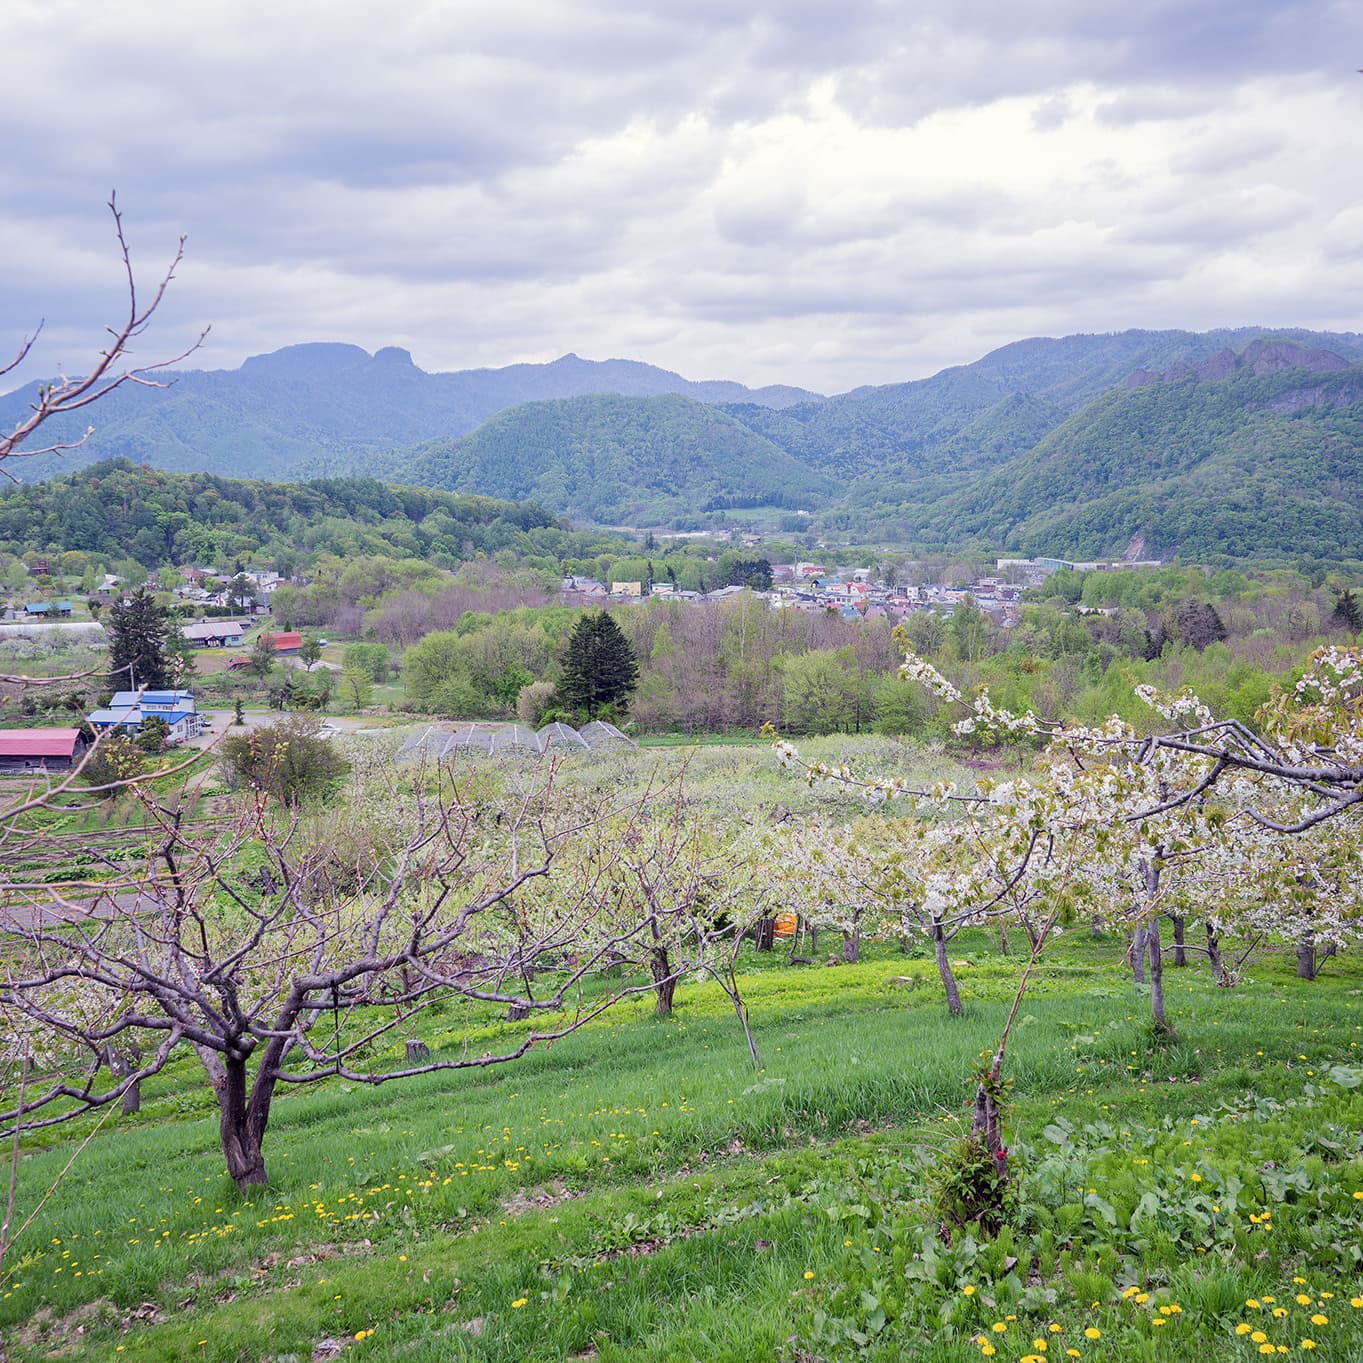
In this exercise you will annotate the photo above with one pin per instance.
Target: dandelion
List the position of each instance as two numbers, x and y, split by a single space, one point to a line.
998 1327
1092 1332
808 1274
1318 1319
1258 1337
1303 1299
1242 1329
519 1302
1308 1344
968 1290
988 1350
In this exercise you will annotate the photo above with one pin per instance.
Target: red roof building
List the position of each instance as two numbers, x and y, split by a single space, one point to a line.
28 749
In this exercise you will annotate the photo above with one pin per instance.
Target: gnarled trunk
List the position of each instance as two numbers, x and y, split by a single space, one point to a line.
939 950
664 979
851 947
241 1124
1180 956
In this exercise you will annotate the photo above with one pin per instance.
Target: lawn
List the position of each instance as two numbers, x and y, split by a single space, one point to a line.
640 1192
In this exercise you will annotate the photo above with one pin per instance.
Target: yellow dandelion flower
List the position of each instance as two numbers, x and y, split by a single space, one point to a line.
1092 1332
1242 1329
968 1290
1303 1299
998 1327
1318 1319
1308 1344
1258 1336
519 1302
808 1274
988 1350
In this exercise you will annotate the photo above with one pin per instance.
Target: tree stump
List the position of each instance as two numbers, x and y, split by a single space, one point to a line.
417 1050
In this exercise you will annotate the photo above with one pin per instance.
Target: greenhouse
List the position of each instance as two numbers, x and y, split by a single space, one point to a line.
491 740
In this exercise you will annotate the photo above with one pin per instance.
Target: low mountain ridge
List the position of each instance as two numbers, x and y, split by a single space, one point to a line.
620 460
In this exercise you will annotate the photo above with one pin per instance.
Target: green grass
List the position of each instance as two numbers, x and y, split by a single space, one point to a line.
648 1195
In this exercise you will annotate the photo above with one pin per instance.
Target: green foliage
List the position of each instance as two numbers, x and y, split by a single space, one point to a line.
289 760
117 758
116 508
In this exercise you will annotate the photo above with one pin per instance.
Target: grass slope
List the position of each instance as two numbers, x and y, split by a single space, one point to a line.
639 1192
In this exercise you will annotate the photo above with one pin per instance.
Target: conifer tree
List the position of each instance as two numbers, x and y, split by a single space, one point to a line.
138 643
600 668
1348 612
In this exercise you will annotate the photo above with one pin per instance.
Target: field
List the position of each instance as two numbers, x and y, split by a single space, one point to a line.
639 1191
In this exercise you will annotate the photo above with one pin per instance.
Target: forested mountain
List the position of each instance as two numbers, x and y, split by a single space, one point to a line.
1240 465
1227 442
615 459
316 409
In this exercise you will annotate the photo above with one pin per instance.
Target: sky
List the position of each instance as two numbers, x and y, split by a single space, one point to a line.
816 193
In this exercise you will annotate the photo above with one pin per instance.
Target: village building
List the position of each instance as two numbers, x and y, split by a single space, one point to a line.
215 633
40 749
129 710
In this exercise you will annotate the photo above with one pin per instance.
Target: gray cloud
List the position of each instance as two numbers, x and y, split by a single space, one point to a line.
806 193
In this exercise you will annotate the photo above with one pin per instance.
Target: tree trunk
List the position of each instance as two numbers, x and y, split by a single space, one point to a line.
1180 956
1306 955
939 949
851 947
1136 950
764 933
1003 939
1214 954
416 1050
241 1127
1156 971
664 979
123 1061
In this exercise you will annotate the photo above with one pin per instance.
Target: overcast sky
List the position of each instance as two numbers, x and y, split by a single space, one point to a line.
813 192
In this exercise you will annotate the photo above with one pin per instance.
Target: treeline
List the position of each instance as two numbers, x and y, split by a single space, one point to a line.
1082 646
117 510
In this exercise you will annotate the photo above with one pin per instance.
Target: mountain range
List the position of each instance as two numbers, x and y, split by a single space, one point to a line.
1232 442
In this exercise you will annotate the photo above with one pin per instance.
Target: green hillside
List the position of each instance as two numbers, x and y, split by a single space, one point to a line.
1242 466
613 459
116 509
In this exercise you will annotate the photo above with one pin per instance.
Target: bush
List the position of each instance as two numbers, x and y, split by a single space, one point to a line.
289 760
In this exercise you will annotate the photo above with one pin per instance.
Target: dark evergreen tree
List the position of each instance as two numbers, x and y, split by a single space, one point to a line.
138 643
1348 612
600 668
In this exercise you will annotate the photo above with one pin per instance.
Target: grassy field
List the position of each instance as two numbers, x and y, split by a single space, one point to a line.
639 1191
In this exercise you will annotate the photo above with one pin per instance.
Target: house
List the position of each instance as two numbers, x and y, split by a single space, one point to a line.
37 609
285 642
215 633
40 749
129 710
